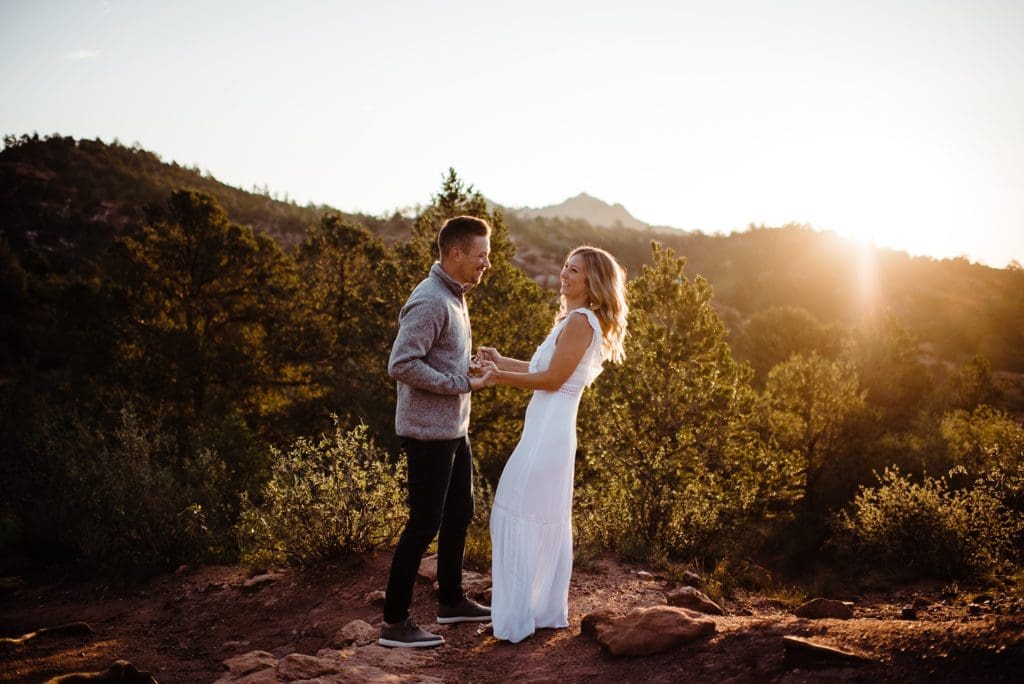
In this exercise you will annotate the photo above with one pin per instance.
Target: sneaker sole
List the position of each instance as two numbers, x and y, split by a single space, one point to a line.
410 644
453 620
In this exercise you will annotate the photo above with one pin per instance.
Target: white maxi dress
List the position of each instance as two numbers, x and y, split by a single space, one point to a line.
531 521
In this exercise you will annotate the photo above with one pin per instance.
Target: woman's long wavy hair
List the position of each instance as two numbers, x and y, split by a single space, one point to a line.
606 283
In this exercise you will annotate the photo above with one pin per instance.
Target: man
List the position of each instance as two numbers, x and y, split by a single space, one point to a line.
430 361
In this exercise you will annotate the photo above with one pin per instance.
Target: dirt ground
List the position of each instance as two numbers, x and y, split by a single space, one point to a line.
182 626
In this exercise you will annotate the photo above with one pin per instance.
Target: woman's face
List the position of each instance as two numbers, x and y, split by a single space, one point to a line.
574 280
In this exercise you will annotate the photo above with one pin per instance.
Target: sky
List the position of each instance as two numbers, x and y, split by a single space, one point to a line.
900 123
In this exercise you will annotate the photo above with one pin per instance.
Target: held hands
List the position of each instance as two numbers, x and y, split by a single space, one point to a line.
482 373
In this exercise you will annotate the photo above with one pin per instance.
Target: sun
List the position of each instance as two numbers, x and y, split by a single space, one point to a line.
906 199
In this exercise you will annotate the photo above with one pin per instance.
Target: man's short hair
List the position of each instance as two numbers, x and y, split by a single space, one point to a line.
459 232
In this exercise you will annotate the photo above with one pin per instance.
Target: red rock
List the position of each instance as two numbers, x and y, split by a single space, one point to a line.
646 631
688 597
824 608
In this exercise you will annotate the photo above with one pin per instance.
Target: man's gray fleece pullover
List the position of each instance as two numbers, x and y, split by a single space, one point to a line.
430 360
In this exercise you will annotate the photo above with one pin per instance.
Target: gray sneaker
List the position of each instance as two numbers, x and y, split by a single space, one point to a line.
466 610
406 634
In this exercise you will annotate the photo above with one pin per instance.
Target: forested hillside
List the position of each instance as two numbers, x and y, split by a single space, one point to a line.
59 194
192 372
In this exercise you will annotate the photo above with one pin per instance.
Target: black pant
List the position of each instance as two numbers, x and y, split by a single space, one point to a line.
440 498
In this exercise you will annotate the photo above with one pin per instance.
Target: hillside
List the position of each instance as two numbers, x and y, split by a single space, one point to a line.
60 196
57 193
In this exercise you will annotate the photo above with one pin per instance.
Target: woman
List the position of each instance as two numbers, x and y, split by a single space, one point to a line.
531 522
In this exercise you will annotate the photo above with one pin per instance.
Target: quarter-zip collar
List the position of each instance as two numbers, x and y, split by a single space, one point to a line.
457 288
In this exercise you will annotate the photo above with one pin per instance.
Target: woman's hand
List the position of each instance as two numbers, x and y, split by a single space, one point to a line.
489 354
502 363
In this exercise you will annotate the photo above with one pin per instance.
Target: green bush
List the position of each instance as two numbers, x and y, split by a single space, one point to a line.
910 529
325 499
111 498
984 439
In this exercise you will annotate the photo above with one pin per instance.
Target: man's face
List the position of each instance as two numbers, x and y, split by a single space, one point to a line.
471 263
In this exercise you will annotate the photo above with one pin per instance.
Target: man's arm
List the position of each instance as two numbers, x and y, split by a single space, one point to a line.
419 325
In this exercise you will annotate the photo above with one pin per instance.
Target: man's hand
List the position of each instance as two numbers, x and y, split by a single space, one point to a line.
484 379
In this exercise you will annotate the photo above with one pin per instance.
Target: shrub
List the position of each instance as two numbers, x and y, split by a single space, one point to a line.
111 497
928 528
325 500
983 439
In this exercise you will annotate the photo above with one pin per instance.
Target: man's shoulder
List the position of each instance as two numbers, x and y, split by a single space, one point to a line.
426 301
431 290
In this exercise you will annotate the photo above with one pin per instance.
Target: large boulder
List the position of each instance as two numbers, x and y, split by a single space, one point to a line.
819 608
694 599
591 622
646 631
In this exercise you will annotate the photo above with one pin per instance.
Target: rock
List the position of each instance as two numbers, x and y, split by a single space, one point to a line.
405 658
234 645
255 583
474 588
646 631
688 597
591 621
375 598
921 602
908 613
805 652
428 569
477 588
358 632
824 608
282 651
692 579
300 666
250 662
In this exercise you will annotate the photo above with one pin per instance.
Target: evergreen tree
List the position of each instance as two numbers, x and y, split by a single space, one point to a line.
344 324
198 299
673 466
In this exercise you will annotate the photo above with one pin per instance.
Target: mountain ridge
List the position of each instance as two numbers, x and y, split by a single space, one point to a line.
586 207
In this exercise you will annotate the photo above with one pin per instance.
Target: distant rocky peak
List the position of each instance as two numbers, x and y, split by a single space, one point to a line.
588 208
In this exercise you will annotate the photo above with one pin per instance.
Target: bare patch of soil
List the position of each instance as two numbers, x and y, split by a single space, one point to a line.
181 627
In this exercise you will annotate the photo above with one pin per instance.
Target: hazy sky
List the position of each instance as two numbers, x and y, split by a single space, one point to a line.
901 122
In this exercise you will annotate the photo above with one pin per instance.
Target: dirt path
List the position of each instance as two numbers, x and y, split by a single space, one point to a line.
182 627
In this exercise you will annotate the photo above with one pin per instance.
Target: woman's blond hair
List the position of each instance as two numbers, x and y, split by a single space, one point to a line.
606 287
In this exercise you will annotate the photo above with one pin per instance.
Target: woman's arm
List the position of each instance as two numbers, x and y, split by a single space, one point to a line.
502 362
572 343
